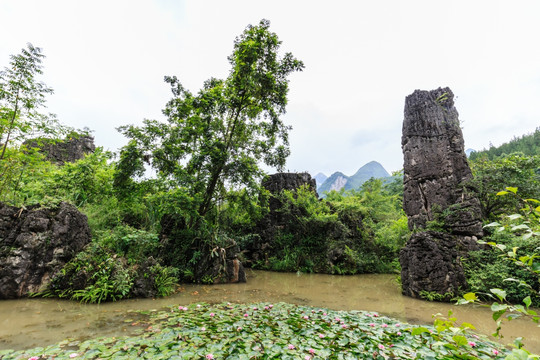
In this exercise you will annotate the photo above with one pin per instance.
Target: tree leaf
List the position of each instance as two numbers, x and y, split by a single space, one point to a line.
470 297
501 294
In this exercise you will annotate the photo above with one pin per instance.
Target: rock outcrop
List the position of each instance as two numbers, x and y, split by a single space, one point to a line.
276 183
63 151
35 243
435 165
436 173
431 262
258 249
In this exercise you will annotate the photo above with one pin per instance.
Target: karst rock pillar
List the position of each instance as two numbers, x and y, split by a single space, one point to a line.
443 213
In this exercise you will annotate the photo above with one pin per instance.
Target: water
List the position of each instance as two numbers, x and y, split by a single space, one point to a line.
39 322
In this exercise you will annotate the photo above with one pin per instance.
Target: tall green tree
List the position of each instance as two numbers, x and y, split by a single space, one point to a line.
21 98
217 138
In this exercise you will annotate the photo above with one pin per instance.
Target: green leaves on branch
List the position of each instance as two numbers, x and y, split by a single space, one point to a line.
527 225
216 139
21 98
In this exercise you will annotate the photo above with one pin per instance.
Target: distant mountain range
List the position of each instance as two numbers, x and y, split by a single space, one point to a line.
320 178
338 180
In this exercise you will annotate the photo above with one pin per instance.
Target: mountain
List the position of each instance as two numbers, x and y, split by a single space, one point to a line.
371 170
338 180
320 179
468 152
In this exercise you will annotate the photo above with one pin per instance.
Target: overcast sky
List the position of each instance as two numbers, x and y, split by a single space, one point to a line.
106 60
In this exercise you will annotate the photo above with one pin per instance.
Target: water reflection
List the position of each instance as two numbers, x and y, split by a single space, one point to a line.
38 322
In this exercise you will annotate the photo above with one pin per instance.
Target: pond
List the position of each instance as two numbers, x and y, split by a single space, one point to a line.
37 322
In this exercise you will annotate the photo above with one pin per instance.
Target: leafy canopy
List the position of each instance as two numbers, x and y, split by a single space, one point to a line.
21 98
215 139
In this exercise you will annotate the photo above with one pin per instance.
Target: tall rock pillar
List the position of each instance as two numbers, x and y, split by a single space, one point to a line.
436 197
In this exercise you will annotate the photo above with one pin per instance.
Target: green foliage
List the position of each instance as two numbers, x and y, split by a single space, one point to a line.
88 180
107 271
278 331
395 185
20 168
133 244
435 296
165 279
516 265
94 275
529 145
216 138
241 210
347 233
491 176
486 270
21 97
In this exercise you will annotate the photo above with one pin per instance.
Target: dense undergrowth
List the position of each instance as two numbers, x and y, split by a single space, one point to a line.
347 233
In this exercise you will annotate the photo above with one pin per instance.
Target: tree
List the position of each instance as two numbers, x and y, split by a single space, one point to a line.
21 97
215 139
492 176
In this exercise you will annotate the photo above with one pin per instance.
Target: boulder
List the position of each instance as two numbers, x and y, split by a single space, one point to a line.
436 196
63 151
35 243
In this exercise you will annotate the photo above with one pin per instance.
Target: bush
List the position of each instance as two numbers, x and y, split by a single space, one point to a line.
486 269
97 274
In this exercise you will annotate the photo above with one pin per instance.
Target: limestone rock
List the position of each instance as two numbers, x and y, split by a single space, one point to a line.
436 173
431 262
35 243
278 182
221 265
64 151
435 165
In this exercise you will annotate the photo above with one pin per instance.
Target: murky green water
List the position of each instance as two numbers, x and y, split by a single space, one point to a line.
38 322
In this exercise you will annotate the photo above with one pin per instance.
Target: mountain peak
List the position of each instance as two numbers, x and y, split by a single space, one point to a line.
338 180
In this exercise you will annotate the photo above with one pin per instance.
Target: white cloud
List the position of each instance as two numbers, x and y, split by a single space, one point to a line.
106 60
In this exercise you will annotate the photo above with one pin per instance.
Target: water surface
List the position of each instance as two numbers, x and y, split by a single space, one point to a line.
38 322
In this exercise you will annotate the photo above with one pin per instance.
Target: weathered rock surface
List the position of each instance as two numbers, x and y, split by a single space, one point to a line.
431 262
278 182
64 151
435 165
35 243
435 176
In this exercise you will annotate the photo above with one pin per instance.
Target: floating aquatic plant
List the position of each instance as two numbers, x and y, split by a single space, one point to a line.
271 331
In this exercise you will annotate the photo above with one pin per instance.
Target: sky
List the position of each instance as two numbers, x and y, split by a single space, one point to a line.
106 59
